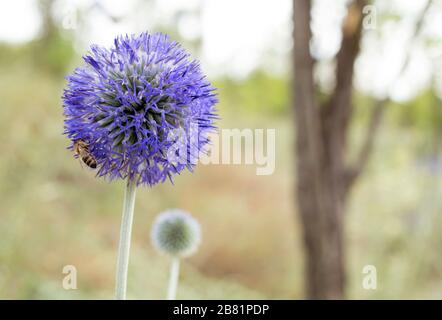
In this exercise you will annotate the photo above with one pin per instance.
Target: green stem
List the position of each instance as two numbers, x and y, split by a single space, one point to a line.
125 235
173 280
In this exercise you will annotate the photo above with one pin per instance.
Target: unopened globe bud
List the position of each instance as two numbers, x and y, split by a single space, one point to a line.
176 233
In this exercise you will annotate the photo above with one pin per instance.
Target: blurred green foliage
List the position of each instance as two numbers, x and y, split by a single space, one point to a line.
54 54
260 92
423 114
50 57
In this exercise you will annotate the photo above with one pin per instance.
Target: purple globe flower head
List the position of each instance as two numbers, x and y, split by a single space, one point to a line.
127 103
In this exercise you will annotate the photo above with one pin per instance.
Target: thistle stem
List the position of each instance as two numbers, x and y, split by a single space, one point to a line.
125 236
173 279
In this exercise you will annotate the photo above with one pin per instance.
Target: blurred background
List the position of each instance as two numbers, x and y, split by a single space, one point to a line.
54 213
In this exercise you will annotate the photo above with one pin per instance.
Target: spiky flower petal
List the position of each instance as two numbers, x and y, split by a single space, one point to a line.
129 101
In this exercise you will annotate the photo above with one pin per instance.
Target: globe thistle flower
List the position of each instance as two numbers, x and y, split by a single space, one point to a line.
127 102
176 233
126 112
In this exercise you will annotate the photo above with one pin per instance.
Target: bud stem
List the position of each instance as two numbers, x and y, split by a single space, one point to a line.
173 280
125 236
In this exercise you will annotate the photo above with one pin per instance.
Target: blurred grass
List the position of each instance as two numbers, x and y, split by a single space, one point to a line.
54 213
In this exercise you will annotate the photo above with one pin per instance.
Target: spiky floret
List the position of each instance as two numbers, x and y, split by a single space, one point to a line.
176 233
126 102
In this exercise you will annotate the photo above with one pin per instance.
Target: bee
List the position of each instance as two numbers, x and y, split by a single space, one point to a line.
81 150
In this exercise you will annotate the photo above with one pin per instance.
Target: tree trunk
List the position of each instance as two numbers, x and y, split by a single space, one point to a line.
321 131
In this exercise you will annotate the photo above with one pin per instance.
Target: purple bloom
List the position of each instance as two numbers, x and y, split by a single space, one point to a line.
126 102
